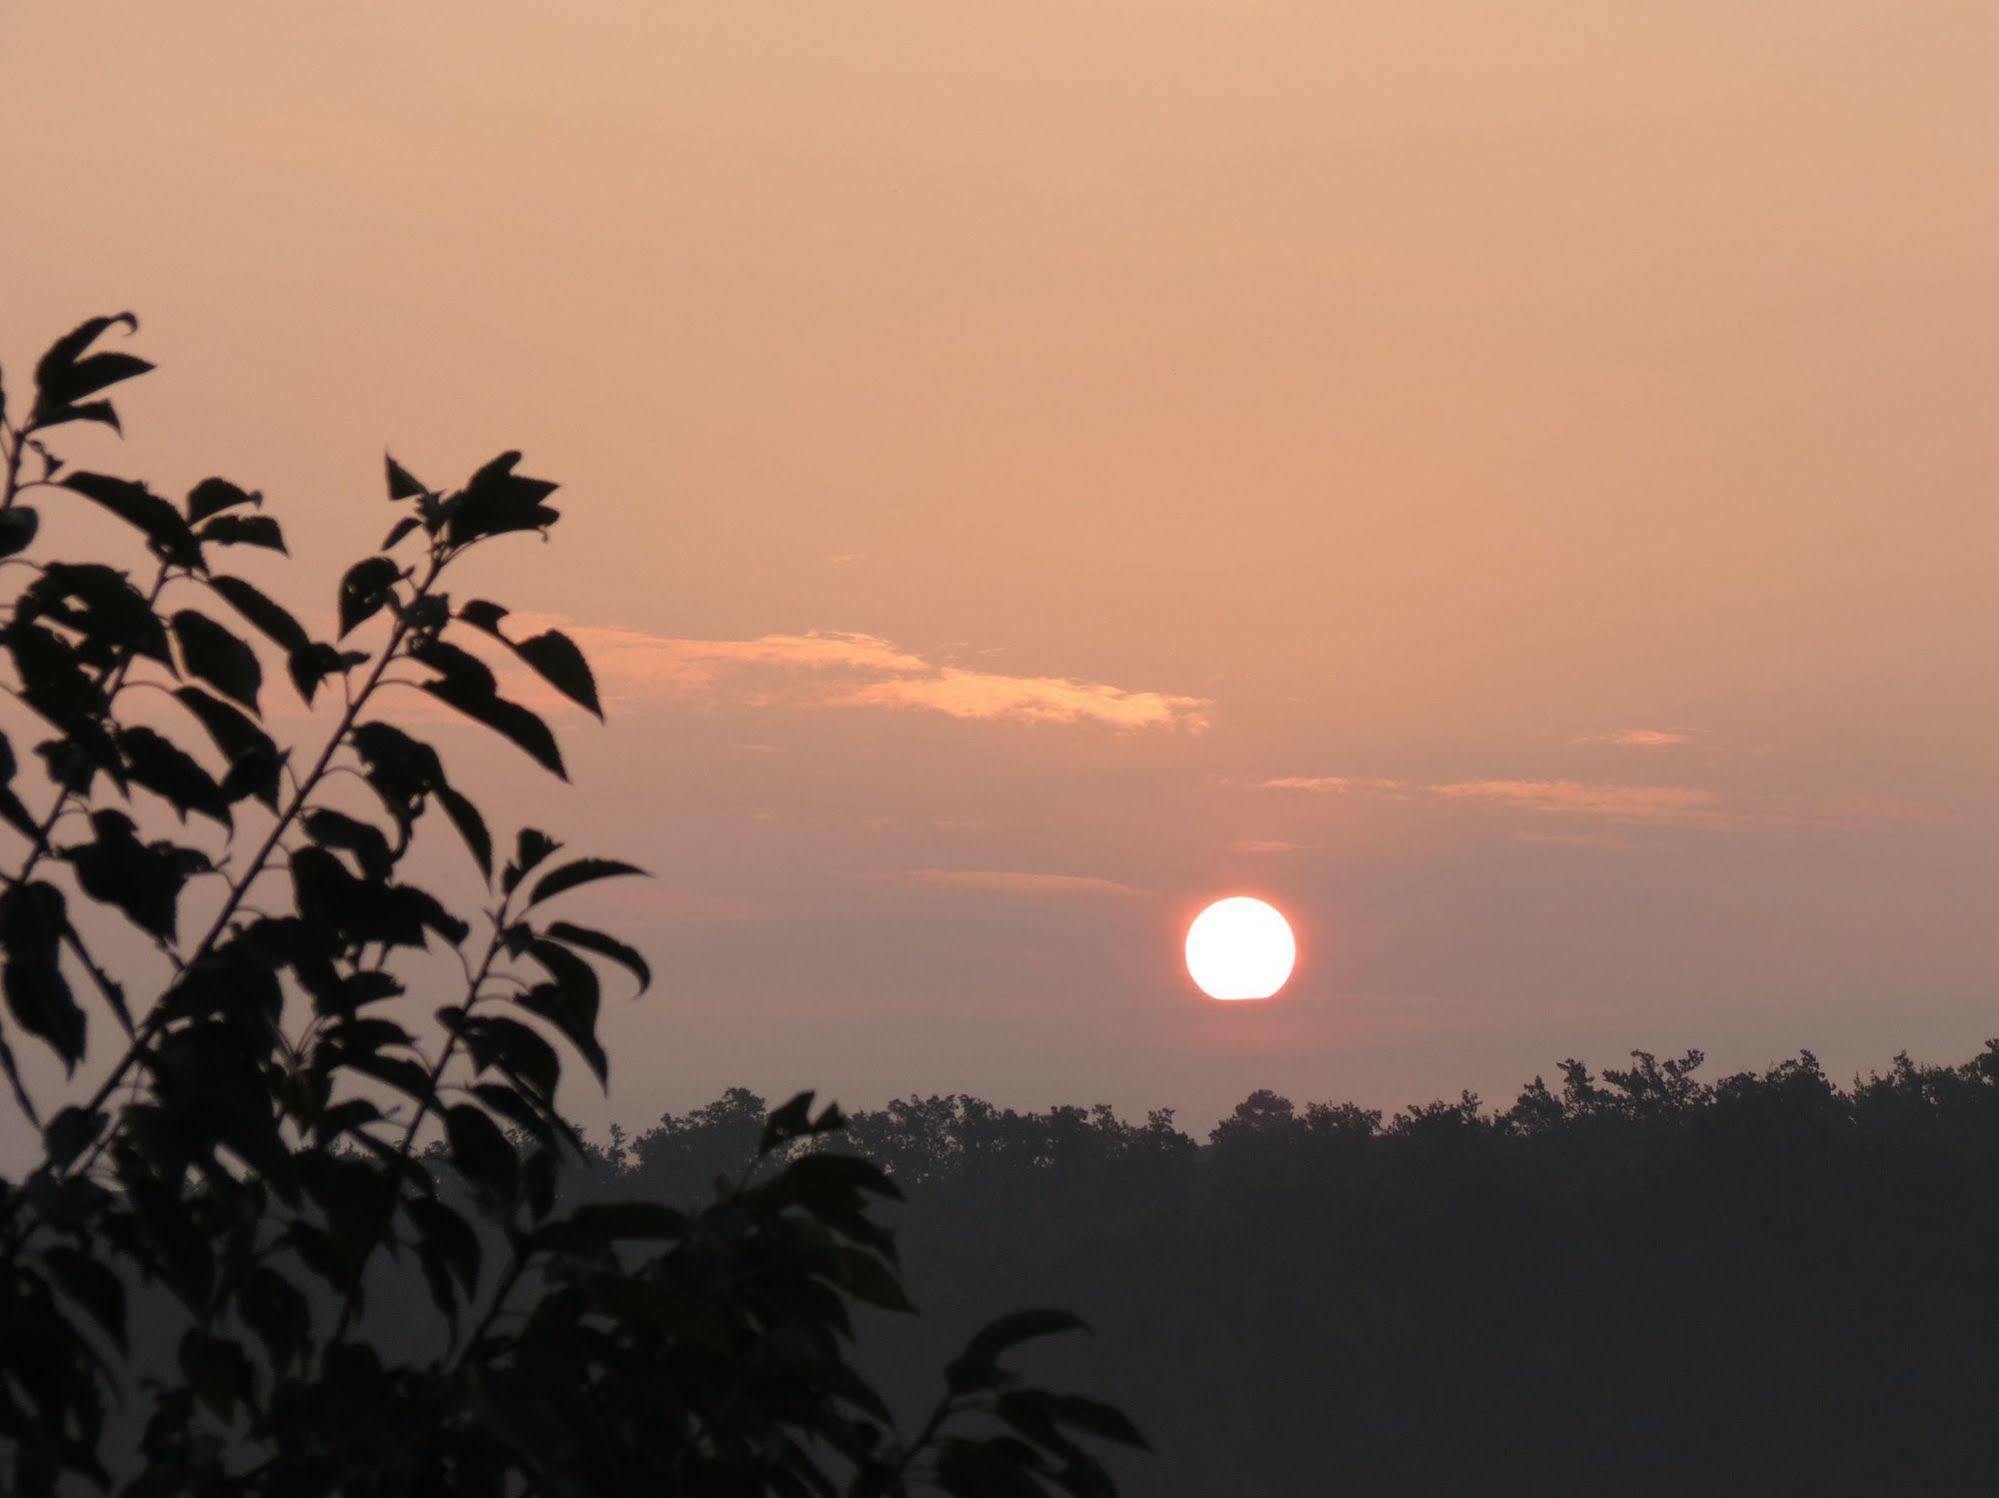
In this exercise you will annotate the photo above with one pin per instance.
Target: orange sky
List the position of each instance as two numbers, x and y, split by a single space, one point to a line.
1514 484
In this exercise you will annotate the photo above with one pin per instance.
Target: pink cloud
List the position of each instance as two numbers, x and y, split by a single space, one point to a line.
1639 738
1006 881
1330 785
1619 803
832 669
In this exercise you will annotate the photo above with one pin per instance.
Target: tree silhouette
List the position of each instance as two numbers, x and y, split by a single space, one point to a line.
254 1134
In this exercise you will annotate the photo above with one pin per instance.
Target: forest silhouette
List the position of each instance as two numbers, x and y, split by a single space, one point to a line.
1638 1282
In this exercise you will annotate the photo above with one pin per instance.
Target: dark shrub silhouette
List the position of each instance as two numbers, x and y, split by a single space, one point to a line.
255 1130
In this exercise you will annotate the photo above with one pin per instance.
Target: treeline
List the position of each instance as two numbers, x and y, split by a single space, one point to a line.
1638 1281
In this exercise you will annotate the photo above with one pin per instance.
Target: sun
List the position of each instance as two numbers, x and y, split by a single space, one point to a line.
1240 948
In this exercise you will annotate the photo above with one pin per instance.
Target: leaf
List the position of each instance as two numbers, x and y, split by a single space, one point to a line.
364 590
100 603
582 871
212 496
465 671
138 506
273 620
333 829
551 655
439 1224
90 1285
1092 1417
471 826
276 1312
531 847
163 767
32 920
317 661
977 1367
143 880
575 1015
69 1134
254 759
397 531
604 946
481 1152
513 1048
52 682
402 770
509 719
402 483
63 378
496 501
244 530
218 657
217 1370
17 529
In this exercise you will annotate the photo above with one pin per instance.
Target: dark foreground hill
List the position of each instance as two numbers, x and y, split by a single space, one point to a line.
1637 1283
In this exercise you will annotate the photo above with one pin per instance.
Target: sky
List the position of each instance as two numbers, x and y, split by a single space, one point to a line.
1512 484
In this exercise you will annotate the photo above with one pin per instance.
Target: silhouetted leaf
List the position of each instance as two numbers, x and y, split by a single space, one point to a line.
276 1312
138 506
217 1370
604 946
100 603
52 681
244 530
17 529
276 622
582 871
402 770
317 661
218 657
212 496
464 671
497 501
167 770
977 1367
142 879
551 655
575 1016
471 826
508 719
397 531
91 1285
364 590
64 375
254 759
532 846
334 829
513 1048
481 1152
443 1226
69 1134
402 483
32 920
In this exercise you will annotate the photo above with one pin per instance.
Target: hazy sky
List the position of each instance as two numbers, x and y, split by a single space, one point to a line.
1515 484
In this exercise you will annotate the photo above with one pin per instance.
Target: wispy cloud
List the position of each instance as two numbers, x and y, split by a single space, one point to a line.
1331 785
1617 803
1574 839
1266 845
1633 805
1638 738
832 669
1008 881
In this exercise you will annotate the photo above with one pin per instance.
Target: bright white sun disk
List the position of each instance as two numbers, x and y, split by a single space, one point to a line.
1240 948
